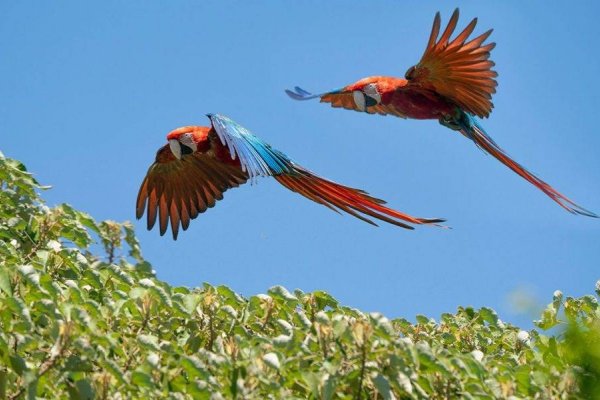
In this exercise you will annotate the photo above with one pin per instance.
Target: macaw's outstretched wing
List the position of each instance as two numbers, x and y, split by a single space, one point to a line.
343 98
457 69
179 190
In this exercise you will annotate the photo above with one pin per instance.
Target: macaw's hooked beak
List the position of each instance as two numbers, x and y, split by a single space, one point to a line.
175 148
179 149
362 100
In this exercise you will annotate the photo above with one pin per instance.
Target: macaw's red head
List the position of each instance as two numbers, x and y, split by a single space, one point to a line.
187 139
369 92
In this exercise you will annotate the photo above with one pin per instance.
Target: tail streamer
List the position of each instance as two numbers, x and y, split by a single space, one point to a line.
350 200
472 130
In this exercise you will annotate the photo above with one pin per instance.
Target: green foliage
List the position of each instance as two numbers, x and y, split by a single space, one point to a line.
79 325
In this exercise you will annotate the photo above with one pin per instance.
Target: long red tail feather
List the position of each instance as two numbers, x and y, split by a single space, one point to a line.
353 201
476 133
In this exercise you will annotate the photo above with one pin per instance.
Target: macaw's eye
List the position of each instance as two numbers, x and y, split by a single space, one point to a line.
410 73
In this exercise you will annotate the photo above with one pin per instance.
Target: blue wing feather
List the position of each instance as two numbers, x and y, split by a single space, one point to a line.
300 94
257 158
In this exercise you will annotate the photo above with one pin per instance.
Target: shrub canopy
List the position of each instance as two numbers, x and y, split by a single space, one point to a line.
83 316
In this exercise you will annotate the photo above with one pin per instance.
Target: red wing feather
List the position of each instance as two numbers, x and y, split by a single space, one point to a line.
178 190
456 69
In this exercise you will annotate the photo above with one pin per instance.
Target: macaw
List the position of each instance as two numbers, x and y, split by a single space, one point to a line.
452 83
199 163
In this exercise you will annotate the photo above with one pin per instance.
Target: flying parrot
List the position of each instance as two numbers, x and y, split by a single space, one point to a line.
199 163
452 83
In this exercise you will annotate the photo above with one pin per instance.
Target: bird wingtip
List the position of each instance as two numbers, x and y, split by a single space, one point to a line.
298 93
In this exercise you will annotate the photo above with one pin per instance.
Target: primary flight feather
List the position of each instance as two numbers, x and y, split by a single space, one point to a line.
198 164
453 83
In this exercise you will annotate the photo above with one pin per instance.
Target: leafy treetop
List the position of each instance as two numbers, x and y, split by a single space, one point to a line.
77 324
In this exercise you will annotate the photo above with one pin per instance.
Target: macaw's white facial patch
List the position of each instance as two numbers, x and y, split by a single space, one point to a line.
187 139
371 91
359 100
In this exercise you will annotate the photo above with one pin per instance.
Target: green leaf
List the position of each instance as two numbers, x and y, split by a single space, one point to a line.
313 381
383 387
32 385
135 250
161 294
141 379
76 362
229 294
137 292
5 284
280 291
523 379
272 360
82 390
149 341
191 302
113 368
18 364
329 387
548 319
118 273
324 300
489 315
193 366
17 306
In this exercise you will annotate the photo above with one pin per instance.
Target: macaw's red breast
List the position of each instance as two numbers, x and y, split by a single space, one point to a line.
419 103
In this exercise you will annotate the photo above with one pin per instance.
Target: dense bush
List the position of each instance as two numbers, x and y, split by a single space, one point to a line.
75 324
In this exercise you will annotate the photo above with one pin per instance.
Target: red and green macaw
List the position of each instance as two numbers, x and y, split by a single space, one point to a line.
199 163
452 83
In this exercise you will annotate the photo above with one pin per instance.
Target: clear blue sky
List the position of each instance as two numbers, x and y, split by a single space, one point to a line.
89 91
